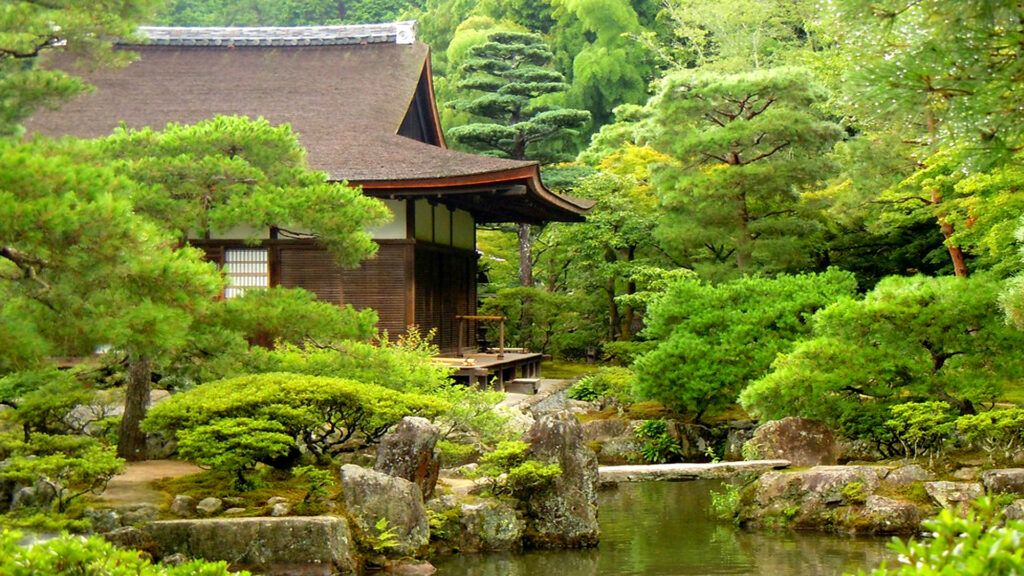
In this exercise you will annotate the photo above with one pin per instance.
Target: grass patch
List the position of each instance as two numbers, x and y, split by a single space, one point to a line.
648 410
606 414
566 370
218 484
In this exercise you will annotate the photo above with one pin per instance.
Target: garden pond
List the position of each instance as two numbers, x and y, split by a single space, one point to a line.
666 529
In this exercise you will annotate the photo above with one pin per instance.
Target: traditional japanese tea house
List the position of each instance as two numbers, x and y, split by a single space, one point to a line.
361 100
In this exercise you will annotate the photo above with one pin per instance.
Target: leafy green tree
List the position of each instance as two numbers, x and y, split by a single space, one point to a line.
609 67
607 254
747 145
232 171
868 236
82 269
510 73
73 465
222 174
293 315
948 70
909 339
252 12
542 321
714 339
733 37
31 28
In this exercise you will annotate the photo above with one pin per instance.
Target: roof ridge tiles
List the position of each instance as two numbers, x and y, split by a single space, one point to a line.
383 33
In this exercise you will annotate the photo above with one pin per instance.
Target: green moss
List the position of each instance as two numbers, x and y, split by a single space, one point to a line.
565 370
854 493
649 410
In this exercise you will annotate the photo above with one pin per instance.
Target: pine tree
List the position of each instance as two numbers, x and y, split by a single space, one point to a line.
31 28
512 74
746 144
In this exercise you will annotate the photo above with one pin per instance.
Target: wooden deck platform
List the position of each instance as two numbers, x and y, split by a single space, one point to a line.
489 369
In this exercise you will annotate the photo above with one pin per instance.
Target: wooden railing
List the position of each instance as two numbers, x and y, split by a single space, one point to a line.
462 332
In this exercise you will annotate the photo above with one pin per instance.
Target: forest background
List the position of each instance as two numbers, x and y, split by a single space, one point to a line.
813 207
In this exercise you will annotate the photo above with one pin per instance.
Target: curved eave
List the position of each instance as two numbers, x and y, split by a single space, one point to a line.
515 195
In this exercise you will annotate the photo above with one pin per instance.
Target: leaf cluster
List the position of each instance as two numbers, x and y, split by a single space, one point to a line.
714 339
914 338
318 414
69 555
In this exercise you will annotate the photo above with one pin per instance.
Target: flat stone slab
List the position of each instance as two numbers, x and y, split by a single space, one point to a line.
655 472
292 545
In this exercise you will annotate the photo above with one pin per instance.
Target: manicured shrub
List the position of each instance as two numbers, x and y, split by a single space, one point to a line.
909 339
510 472
614 383
714 339
998 432
94 556
234 445
921 428
319 414
403 365
74 465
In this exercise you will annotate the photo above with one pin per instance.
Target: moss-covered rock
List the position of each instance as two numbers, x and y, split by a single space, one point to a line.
563 515
313 545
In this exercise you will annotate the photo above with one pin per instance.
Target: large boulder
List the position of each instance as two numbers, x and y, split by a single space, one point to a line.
954 495
489 526
823 497
564 515
1004 481
803 442
883 515
39 495
906 475
372 496
309 546
407 451
604 429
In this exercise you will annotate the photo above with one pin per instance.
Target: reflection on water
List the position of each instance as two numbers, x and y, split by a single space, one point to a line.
664 529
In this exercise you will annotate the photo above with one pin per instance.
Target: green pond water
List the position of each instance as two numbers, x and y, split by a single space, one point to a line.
665 529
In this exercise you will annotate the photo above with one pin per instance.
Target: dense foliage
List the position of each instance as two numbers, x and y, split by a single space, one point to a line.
980 544
72 556
318 414
909 338
714 339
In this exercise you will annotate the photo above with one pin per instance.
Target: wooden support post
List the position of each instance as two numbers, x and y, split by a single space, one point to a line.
501 339
462 334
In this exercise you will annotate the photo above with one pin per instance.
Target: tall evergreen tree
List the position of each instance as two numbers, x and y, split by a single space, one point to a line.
746 145
511 74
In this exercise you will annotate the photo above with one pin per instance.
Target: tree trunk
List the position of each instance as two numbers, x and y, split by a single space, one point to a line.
955 253
613 310
525 256
744 242
630 313
132 444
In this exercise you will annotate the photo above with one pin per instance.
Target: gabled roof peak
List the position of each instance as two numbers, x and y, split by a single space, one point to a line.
386 33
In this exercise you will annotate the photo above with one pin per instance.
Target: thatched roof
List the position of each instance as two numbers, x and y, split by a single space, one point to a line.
346 91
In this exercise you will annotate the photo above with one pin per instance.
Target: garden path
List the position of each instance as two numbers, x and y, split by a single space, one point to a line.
135 484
